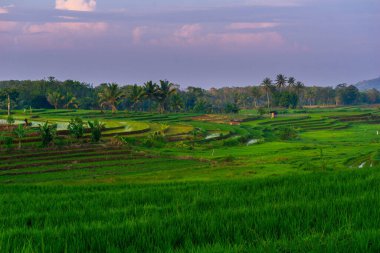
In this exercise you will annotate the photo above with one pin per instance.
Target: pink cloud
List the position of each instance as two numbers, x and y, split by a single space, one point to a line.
197 36
257 25
138 33
66 27
76 5
7 26
188 31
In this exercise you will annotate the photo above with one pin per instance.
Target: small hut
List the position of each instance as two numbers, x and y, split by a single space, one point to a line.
235 122
273 114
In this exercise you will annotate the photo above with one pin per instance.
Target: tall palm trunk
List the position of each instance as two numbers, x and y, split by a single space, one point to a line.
9 105
268 99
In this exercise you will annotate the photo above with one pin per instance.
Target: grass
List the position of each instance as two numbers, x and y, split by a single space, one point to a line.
306 194
326 212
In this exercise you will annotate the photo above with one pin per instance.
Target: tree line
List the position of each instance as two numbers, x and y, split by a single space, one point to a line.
166 96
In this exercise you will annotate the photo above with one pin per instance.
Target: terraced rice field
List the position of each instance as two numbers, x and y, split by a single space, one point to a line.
246 189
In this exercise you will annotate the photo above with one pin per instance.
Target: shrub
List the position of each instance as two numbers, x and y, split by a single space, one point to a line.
261 111
6 141
96 128
47 133
20 133
287 133
10 120
76 128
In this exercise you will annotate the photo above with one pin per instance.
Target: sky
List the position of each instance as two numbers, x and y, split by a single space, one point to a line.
206 43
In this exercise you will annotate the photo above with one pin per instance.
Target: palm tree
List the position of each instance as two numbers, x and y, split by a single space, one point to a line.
256 94
176 103
135 95
54 98
299 86
280 81
149 92
20 133
164 91
291 81
70 100
267 85
110 96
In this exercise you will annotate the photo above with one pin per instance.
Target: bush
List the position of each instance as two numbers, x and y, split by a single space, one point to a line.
47 133
7 142
261 111
96 128
10 120
76 128
287 133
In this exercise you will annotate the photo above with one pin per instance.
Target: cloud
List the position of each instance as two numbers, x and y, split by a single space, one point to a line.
137 33
7 26
3 10
188 31
251 26
75 5
66 27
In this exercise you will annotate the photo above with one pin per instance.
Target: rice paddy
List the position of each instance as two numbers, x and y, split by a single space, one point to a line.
195 183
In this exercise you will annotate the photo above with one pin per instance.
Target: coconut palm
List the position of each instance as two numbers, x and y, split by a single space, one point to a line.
299 86
19 132
149 92
291 82
70 101
110 96
176 103
267 86
256 94
164 91
135 95
55 98
280 81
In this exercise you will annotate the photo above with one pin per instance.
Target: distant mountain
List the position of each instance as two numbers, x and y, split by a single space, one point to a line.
369 84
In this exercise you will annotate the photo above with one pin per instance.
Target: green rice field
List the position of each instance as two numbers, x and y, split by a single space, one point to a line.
306 181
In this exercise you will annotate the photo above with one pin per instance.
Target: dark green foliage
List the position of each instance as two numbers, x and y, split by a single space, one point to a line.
6 141
96 128
261 111
47 133
287 133
10 120
288 100
76 128
156 139
231 108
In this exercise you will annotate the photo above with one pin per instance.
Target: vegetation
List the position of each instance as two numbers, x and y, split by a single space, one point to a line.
145 180
166 96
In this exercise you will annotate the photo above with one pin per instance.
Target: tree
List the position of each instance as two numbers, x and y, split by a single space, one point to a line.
149 92
281 81
135 94
47 133
9 94
110 96
164 91
291 82
76 128
299 87
19 132
346 94
96 128
256 94
54 98
70 101
176 103
267 85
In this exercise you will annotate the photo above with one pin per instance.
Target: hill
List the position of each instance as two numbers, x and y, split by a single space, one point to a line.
369 84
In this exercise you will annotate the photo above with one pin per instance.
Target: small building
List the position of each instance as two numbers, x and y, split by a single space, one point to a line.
273 114
235 122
